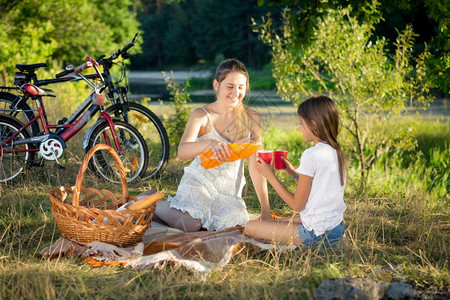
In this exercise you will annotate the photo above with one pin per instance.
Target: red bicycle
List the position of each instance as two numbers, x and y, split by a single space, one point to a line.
20 142
14 103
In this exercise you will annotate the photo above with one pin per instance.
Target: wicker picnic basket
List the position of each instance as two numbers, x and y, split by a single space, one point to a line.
92 216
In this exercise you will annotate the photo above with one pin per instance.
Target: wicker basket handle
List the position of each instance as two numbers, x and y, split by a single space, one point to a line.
84 165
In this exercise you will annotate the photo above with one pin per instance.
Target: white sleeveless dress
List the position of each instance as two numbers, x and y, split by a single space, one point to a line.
215 195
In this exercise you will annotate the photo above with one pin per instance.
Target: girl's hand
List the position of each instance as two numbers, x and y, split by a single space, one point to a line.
290 170
220 150
264 168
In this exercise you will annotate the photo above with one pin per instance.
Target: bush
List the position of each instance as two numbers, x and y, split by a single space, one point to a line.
179 97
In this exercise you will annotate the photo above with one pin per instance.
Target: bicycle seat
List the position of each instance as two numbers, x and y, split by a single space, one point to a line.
30 68
37 91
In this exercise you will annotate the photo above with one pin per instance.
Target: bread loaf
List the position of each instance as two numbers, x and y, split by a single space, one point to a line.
147 201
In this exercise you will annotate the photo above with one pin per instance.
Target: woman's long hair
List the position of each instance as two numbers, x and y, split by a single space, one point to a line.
226 67
323 111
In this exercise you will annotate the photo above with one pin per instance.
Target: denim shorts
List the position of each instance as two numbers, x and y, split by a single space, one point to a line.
329 238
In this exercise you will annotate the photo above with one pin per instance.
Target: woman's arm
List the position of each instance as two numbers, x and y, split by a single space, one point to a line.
189 147
259 182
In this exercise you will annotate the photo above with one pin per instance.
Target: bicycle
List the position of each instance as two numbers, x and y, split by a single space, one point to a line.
133 113
18 146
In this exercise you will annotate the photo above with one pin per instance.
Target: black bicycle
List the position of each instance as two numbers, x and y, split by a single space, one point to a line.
18 146
133 113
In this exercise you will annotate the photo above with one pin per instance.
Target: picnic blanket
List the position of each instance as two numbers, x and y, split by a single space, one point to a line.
198 251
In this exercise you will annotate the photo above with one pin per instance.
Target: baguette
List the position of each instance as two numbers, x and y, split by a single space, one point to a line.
147 201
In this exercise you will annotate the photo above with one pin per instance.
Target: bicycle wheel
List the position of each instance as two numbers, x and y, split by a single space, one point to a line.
13 163
24 113
153 131
134 153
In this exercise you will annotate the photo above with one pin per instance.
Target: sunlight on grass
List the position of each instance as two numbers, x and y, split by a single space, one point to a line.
397 230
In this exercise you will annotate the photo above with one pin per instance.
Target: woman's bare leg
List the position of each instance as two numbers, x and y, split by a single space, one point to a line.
176 218
272 231
293 219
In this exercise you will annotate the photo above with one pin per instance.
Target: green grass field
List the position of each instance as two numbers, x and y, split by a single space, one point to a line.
398 229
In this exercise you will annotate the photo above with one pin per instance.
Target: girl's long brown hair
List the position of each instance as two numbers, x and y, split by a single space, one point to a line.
226 67
323 111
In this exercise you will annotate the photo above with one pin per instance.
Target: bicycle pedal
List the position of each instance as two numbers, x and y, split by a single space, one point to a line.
61 167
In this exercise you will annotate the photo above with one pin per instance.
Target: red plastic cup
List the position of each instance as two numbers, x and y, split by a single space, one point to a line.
266 155
278 163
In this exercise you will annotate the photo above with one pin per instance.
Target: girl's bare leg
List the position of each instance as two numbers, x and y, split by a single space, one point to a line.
272 231
176 218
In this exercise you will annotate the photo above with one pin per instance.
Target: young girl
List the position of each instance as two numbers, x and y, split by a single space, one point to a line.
319 196
212 198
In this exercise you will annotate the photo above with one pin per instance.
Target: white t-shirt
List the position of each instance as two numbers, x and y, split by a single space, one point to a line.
325 207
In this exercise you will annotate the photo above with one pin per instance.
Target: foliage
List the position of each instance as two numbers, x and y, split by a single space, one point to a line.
428 17
304 15
441 72
40 31
194 32
346 62
179 97
27 47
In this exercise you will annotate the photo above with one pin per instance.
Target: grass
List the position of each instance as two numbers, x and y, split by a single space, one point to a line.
398 229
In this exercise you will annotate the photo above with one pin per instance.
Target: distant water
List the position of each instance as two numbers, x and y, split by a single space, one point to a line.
152 85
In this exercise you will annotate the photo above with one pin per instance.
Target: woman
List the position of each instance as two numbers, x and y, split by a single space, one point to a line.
212 198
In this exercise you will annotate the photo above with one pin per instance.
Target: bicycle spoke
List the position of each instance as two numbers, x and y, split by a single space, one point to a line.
153 132
133 153
13 158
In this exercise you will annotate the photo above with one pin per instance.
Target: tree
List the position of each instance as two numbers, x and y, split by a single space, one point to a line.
36 31
345 60
428 17
186 32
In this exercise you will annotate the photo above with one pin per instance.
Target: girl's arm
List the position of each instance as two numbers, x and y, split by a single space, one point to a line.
259 182
296 200
290 170
189 147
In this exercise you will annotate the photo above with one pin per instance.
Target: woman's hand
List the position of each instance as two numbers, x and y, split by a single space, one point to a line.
290 170
220 150
264 168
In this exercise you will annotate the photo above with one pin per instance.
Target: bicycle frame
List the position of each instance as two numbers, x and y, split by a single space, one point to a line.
140 131
28 75
82 115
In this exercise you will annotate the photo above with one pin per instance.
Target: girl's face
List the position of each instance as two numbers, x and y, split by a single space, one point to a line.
231 90
308 135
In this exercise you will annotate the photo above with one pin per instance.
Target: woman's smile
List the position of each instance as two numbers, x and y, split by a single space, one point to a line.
232 89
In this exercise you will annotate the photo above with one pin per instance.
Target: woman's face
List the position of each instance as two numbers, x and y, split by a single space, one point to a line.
231 90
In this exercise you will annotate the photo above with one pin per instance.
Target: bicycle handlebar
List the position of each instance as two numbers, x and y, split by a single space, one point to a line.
121 52
133 42
90 62
106 62
65 72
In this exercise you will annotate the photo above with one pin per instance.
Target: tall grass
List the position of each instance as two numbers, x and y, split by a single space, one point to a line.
397 230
